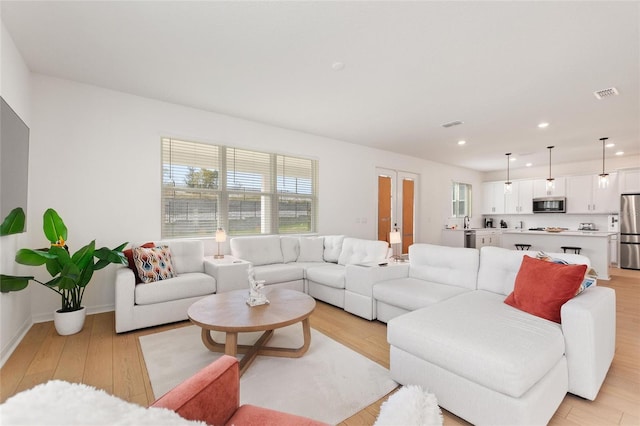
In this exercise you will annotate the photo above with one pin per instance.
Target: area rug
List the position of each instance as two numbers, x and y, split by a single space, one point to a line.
329 383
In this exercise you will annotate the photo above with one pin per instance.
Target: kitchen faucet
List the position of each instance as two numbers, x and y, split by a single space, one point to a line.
466 222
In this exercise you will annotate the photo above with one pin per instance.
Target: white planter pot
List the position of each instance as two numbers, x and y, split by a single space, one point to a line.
69 322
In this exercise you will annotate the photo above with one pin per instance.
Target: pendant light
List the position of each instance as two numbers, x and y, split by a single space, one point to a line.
508 185
603 178
551 182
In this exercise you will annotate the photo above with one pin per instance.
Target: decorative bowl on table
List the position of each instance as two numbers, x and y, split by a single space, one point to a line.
553 229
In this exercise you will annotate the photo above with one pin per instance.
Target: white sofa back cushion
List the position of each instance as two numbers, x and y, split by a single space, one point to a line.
355 251
290 248
260 250
186 255
332 247
499 267
311 249
454 266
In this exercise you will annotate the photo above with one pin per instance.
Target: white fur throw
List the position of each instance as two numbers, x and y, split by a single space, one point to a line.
410 406
62 403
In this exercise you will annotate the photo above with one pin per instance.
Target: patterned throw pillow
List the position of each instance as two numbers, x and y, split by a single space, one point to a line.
590 276
153 264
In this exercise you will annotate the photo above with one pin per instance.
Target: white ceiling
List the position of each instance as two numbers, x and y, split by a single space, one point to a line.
500 67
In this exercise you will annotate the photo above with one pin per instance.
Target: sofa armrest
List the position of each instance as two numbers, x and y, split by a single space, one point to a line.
125 286
361 279
589 328
211 395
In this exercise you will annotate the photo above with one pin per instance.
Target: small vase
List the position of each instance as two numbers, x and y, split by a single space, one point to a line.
69 322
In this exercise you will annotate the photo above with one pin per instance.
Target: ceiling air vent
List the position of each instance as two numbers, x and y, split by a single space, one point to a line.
452 123
605 93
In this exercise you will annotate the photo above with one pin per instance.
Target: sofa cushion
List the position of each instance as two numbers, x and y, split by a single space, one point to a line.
278 273
499 267
332 247
192 284
356 251
290 249
453 266
328 274
542 287
261 250
476 336
187 255
153 264
311 249
411 293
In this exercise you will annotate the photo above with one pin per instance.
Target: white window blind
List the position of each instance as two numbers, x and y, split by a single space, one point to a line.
245 192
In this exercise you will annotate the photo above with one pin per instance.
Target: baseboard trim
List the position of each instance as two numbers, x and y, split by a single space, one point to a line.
6 352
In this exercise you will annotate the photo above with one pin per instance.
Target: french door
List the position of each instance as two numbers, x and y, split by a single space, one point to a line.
396 205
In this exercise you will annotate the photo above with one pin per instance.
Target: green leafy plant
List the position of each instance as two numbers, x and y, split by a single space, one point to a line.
13 223
71 272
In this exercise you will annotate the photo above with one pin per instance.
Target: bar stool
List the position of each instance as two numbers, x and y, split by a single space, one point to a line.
576 250
523 246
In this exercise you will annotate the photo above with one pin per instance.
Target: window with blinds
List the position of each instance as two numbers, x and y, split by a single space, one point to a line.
245 192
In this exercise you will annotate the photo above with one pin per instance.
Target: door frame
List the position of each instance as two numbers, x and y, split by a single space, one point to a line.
397 177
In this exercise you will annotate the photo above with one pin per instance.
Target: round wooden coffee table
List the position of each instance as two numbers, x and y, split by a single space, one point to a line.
228 312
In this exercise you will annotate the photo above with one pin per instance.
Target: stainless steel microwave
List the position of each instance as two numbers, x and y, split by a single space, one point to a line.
549 205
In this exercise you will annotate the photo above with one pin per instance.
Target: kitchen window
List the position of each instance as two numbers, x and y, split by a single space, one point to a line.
246 192
460 199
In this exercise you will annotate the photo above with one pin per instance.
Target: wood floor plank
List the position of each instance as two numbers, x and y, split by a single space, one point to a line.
115 362
74 355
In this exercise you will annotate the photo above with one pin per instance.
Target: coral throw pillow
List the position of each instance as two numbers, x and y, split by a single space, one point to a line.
153 264
541 287
129 254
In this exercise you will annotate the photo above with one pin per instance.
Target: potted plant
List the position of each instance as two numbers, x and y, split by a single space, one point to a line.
70 272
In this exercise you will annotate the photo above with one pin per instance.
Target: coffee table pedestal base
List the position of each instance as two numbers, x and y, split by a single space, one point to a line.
231 346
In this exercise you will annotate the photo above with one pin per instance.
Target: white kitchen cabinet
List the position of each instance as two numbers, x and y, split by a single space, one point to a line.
540 188
519 201
613 249
629 181
585 196
488 237
493 197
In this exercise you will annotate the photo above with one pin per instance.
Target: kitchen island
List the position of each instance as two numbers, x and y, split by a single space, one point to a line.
594 244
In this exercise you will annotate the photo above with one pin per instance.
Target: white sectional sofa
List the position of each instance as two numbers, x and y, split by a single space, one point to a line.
146 305
315 265
487 362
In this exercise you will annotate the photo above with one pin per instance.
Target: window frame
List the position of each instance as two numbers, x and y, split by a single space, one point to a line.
273 193
456 199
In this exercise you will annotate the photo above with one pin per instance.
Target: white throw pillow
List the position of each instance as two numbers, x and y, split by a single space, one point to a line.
290 248
332 247
311 249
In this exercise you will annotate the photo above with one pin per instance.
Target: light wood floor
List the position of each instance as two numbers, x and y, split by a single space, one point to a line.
98 357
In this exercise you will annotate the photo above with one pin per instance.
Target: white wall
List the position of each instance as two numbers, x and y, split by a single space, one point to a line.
96 160
594 167
15 310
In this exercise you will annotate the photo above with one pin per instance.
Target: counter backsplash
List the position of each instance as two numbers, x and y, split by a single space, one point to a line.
560 220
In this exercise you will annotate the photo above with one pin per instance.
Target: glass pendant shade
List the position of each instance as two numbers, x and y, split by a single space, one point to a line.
603 178
508 185
551 182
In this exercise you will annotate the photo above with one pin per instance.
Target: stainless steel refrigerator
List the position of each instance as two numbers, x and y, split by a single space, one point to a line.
630 231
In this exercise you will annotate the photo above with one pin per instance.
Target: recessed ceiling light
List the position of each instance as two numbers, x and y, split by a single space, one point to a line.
610 145
529 164
462 142
338 66
620 153
512 159
543 125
